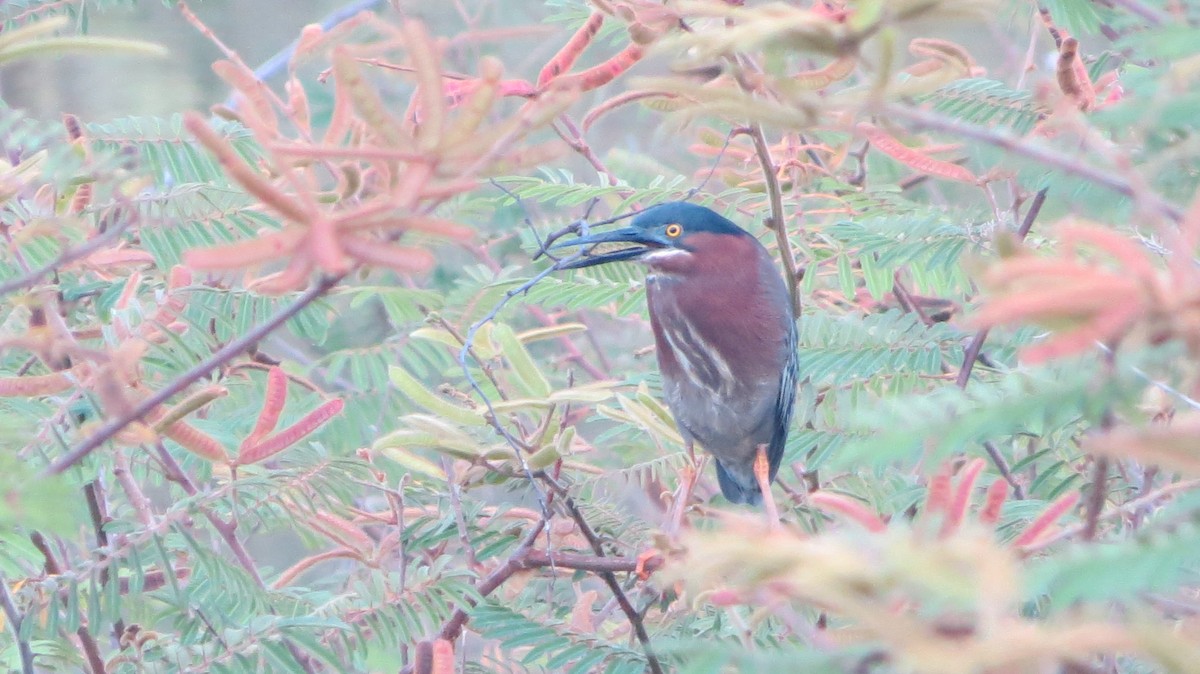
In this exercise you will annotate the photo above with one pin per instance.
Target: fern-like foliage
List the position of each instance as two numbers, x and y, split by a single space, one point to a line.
985 101
838 350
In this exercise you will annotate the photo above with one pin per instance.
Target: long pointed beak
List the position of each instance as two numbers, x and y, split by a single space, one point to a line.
644 244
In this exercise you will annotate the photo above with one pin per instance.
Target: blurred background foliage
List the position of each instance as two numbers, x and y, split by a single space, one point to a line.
990 208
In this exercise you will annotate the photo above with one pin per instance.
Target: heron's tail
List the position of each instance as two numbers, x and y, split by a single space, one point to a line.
738 488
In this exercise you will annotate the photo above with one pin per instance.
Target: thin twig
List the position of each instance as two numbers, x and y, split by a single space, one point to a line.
1004 469
1162 386
712 168
460 519
776 222
134 495
1046 156
98 510
573 353
970 356
14 622
573 137
201 369
905 299
226 529
1035 207
466 354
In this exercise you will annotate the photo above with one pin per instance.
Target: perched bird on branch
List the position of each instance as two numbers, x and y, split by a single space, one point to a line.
725 334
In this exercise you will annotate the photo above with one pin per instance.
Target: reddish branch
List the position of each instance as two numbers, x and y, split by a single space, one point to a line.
525 557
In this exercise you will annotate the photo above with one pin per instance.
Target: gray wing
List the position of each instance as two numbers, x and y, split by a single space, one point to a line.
784 403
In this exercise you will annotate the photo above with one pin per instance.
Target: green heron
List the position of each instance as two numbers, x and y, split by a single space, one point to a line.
725 335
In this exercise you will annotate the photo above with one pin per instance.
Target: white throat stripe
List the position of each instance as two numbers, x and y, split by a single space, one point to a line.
664 254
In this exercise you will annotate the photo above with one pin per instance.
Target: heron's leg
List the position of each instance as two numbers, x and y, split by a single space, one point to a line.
688 477
646 564
762 472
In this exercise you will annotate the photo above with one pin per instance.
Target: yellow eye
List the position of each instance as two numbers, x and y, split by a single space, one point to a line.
674 230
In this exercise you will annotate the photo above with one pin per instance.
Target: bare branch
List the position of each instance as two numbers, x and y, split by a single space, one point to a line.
972 353
776 222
